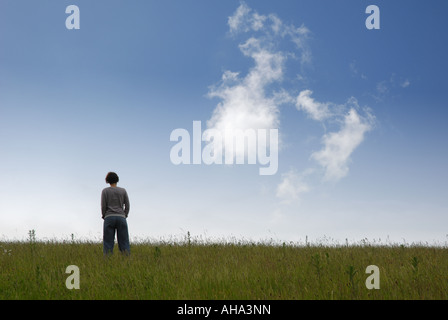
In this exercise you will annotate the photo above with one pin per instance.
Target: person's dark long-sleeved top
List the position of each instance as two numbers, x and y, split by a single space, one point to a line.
114 202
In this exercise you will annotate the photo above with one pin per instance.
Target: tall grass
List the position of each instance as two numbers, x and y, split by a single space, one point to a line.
224 270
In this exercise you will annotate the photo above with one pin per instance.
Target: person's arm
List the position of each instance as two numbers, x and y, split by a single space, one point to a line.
103 204
127 205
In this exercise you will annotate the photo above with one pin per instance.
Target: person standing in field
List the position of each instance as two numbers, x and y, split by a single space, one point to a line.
115 209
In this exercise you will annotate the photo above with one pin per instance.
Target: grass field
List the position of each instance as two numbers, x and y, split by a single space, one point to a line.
191 270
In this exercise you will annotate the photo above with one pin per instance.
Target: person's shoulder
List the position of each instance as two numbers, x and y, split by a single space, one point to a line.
122 190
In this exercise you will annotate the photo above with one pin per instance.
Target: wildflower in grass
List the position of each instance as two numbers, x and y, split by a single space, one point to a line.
32 236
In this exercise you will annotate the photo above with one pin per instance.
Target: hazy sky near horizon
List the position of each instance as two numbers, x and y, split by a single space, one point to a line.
361 116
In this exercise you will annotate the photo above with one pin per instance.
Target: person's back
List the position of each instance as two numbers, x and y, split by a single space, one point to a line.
114 202
115 209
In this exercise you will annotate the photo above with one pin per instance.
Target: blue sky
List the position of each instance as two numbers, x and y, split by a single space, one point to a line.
75 104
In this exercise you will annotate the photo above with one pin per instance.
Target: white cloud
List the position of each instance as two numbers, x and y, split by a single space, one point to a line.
248 101
245 20
316 110
406 83
257 21
239 18
291 187
334 157
338 146
245 104
299 37
277 23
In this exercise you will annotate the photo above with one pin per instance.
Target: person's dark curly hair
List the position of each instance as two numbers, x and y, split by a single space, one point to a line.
112 178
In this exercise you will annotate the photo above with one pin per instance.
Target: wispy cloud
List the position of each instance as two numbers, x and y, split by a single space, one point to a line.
405 83
339 145
386 87
244 101
291 187
241 20
271 28
334 158
315 110
382 87
248 101
354 71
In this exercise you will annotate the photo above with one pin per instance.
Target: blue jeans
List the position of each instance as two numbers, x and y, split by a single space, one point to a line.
110 225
